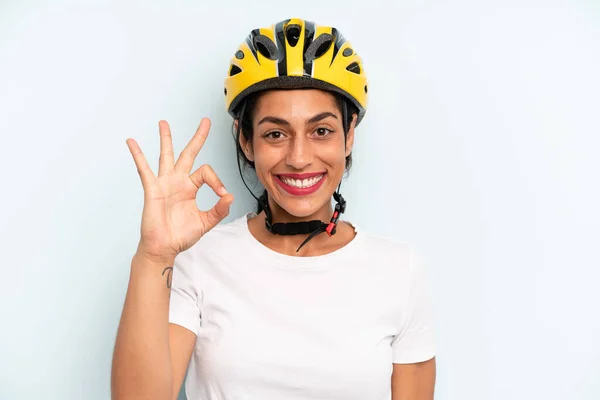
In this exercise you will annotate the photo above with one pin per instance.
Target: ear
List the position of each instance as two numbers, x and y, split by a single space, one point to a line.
246 145
350 135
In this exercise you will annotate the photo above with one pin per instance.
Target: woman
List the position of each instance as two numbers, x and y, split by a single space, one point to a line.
290 302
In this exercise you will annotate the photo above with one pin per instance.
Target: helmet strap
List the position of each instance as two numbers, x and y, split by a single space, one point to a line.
313 227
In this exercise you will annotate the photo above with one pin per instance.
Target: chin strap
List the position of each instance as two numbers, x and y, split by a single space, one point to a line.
313 227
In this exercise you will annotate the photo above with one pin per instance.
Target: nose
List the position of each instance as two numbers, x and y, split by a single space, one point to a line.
300 153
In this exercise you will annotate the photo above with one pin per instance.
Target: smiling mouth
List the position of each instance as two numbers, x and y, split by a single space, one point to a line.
301 183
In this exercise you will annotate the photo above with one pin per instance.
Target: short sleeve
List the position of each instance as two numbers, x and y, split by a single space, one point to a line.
416 340
183 304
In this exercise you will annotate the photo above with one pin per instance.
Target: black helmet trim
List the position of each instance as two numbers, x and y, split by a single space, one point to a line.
293 82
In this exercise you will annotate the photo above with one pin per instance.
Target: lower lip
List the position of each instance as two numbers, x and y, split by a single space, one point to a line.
296 191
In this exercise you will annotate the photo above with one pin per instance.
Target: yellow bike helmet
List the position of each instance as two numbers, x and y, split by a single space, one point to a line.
292 54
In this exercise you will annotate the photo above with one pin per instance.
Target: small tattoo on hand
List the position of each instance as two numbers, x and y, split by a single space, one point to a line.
169 276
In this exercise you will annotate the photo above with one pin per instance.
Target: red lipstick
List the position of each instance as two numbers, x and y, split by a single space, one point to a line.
296 191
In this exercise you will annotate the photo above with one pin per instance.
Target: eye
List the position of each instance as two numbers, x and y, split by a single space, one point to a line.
274 135
323 131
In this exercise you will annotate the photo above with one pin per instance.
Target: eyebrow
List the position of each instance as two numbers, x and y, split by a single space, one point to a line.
281 121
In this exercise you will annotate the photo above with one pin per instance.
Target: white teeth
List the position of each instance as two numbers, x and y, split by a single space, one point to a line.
301 183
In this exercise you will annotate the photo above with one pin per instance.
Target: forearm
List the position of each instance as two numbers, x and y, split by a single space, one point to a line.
142 360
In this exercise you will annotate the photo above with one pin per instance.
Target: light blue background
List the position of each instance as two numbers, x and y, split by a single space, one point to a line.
480 146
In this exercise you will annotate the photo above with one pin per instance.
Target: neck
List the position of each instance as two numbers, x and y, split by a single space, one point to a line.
289 243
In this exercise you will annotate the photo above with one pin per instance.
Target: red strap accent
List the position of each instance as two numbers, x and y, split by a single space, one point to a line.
330 228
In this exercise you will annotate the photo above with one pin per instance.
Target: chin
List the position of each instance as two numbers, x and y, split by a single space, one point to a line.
302 208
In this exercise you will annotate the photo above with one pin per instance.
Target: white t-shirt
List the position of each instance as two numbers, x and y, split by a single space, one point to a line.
275 327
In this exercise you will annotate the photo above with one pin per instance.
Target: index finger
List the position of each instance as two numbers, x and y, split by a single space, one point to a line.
190 152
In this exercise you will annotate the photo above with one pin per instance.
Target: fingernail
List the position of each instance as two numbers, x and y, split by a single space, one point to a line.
223 191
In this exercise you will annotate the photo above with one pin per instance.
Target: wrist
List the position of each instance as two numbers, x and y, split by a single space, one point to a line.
147 256
153 260
151 272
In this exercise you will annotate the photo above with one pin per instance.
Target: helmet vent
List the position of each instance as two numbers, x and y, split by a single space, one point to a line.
354 67
292 34
234 70
319 47
266 47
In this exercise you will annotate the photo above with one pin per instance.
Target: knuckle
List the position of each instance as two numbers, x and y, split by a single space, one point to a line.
208 171
165 154
186 153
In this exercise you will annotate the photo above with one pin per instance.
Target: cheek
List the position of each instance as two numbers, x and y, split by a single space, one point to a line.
266 157
334 153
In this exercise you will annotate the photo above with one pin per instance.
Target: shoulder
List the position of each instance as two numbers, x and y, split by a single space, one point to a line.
380 245
398 255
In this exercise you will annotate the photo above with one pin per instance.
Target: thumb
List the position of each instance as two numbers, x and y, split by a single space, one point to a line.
219 211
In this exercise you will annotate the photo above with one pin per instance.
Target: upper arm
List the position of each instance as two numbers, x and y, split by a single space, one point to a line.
413 349
415 341
414 381
181 341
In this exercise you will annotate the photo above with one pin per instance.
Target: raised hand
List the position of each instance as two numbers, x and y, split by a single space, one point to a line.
171 220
